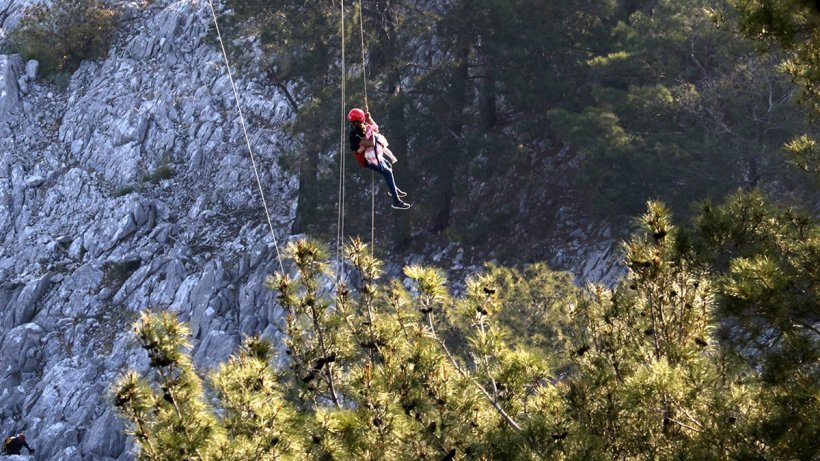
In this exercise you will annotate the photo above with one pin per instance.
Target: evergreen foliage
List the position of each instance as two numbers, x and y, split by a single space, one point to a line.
62 33
795 26
804 153
767 266
680 110
669 364
483 101
171 420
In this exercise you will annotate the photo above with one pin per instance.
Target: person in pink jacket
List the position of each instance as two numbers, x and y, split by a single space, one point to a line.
370 149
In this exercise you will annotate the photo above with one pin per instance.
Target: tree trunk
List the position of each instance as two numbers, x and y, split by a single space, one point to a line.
308 183
441 218
489 111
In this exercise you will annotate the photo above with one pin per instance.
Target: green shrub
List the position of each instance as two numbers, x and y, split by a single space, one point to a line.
164 171
60 80
62 34
124 190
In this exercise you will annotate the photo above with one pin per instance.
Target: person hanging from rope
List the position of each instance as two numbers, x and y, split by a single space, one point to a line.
370 149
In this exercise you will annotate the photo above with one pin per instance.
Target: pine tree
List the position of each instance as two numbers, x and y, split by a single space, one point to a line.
706 349
382 373
795 25
171 419
646 382
256 419
767 266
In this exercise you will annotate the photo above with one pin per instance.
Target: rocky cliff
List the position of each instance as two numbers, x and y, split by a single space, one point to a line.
132 189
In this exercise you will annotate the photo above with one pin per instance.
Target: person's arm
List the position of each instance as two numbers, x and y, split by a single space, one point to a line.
30 450
365 143
371 122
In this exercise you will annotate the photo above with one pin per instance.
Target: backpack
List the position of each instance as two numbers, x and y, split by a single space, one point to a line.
7 443
360 158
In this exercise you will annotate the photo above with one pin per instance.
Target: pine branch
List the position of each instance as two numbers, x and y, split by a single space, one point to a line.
464 374
697 431
325 353
654 328
187 433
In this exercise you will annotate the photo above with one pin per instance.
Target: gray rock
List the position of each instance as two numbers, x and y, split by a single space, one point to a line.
35 181
32 65
10 68
20 352
11 11
25 307
105 437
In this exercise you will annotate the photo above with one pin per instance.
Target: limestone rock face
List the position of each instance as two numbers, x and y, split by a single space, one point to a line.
11 11
130 189
10 104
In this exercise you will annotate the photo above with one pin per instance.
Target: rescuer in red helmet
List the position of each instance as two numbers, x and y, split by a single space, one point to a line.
370 149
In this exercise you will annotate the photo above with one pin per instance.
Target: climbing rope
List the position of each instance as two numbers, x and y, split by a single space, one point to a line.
367 109
364 68
340 219
247 138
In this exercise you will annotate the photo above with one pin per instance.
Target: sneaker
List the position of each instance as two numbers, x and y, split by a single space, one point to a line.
398 191
400 205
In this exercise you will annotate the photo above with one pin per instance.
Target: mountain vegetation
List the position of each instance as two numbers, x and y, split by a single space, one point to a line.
62 33
794 27
496 106
708 347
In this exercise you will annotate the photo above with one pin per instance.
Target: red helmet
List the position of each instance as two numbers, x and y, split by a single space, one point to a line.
355 115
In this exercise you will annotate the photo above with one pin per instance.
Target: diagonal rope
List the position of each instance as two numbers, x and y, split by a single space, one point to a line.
340 219
247 138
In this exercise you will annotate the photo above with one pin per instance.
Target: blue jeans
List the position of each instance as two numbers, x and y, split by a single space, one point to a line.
386 169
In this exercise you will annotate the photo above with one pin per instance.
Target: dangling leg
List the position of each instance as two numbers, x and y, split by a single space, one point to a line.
389 161
384 168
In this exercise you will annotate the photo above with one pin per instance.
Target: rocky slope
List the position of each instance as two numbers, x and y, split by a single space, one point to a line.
132 189
129 190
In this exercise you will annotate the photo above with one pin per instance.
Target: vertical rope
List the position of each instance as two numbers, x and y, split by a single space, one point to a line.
364 67
247 138
340 220
372 177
